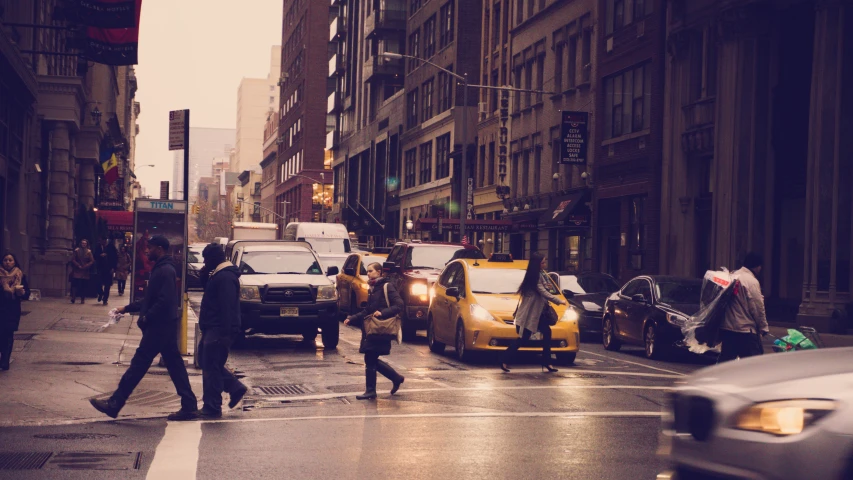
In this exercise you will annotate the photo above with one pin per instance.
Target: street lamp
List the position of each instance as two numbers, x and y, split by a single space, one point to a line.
409 226
464 157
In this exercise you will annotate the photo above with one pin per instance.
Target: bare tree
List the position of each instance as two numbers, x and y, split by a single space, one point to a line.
214 219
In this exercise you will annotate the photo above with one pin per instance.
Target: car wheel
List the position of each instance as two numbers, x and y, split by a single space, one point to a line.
462 353
608 335
567 358
331 334
652 343
434 345
409 333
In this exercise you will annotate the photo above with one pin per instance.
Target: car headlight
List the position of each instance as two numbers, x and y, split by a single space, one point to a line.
327 292
480 313
365 286
572 314
784 417
675 319
250 293
420 290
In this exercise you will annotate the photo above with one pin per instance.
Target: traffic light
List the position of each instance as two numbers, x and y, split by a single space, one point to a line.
237 209
196 209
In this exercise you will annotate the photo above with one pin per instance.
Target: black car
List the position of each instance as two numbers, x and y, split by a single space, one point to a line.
649 311
587 292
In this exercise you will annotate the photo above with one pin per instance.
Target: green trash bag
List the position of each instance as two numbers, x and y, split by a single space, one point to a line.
800 341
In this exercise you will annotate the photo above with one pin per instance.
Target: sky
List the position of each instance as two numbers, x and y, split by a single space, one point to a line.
193 54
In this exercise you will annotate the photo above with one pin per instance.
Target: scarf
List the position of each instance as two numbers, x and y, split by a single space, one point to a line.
373 281
11 279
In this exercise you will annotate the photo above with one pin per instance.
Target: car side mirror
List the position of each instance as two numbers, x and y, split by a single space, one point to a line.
568 293
332 271
349 271
453 292
638 298
389 267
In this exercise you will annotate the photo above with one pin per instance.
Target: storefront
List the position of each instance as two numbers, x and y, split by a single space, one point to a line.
485 230
567 222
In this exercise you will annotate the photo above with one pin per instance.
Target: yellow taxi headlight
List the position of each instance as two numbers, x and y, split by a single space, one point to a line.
365 287
571 314
785 417
480 313
419 289
250 293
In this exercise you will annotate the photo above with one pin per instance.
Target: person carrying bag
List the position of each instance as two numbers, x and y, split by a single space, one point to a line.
380 323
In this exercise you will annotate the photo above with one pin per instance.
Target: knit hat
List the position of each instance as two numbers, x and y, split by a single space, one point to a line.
159 241
213 253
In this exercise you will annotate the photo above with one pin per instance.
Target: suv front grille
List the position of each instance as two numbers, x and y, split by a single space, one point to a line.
288 295
693 415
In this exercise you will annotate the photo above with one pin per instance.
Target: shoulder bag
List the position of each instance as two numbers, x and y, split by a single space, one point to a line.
549 314
389 327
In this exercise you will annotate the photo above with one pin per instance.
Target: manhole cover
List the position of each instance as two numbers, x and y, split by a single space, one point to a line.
24 336
281 390
79 325
75 436
23 460
95 461
149 398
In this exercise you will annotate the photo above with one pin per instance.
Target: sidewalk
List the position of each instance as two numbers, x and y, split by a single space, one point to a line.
63 356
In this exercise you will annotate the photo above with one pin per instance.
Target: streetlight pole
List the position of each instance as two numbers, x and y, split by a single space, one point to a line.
323 191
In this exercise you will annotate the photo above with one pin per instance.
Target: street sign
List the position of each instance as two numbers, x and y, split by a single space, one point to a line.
469 201
177 129
574 135
164 190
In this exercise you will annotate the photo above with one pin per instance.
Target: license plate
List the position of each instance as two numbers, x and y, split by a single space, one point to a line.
536 336
289 312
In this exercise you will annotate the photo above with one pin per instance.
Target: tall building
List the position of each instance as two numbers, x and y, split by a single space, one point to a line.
629 137
205 145
366 112
268 170
257 98
757 151
302 166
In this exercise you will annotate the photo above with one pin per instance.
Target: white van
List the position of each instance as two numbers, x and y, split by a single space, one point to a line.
323 237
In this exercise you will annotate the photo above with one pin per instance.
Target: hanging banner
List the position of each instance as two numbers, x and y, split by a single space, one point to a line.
114 46
104 13
574 134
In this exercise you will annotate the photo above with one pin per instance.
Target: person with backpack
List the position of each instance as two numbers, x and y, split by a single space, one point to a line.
383 302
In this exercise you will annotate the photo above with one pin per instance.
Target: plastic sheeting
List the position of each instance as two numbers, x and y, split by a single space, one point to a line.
701 331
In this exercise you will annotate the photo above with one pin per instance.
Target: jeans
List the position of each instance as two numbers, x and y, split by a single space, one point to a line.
739 345
372 363
7 341
106 283
121 285
213 353
545 329
163 339
78 288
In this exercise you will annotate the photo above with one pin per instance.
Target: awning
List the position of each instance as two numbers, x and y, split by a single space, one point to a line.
117 220
566 212
452 224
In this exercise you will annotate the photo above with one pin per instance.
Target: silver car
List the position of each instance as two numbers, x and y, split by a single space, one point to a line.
784 415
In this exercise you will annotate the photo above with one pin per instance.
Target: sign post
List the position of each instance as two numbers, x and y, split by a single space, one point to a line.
179 139
574 133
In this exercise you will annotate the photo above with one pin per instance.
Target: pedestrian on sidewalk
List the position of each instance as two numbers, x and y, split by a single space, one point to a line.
14 290
123 263
383 301
159 321
81 261
106 259
746 320
530 315
219 321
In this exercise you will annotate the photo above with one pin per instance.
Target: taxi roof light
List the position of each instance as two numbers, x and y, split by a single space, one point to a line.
501 257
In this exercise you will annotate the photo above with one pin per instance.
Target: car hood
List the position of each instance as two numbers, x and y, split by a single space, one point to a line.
498 304
427 274
590 302
277 279
679 308
822 372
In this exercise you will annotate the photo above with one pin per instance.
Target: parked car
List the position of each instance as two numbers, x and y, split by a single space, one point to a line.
587 292
785 415
332 260
474 307
649 311
413 267
352 281
284 290
195 262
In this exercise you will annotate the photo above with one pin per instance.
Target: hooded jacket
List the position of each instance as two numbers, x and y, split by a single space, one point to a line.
160 305
220 305
746 313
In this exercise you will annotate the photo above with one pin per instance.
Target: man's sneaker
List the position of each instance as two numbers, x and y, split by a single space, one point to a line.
109 407
237 396
182 415
207 414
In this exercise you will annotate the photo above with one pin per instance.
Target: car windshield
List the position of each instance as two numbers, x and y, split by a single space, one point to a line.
330 245
258 263
682 291
333 262
495 280
588 284
430 257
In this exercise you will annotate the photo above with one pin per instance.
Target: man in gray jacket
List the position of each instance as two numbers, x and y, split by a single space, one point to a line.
746 319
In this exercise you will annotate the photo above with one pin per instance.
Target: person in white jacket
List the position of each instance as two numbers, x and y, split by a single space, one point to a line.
746 320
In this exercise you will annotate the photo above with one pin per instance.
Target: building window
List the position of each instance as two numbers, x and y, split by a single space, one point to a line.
414 6
496 27
627 98
519 13
528 82
412 114
572 70
540 76
429 37
445 90
414 49
442 156
426 100
490 165
621 13
425 163
586 55
525 173
481 167
411 160
446 15
537 166
637 238
559 51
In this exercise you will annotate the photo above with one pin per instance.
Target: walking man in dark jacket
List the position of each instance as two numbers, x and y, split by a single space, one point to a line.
158 320
106 260
219 321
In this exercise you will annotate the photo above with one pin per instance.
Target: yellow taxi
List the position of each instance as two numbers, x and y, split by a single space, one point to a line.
472 308
352 280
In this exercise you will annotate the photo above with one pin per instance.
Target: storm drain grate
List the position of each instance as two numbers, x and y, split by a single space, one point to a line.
24 336
23 460
95 461
292 389
75 436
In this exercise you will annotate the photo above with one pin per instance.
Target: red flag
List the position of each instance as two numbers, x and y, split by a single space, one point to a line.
114 46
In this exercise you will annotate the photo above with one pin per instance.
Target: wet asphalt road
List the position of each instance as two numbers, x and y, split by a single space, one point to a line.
599 419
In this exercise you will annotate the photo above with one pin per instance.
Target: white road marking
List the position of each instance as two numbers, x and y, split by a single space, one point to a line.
622 414
637 364
176 457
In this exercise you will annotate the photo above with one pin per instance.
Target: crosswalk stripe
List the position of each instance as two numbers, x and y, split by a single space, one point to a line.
176 457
